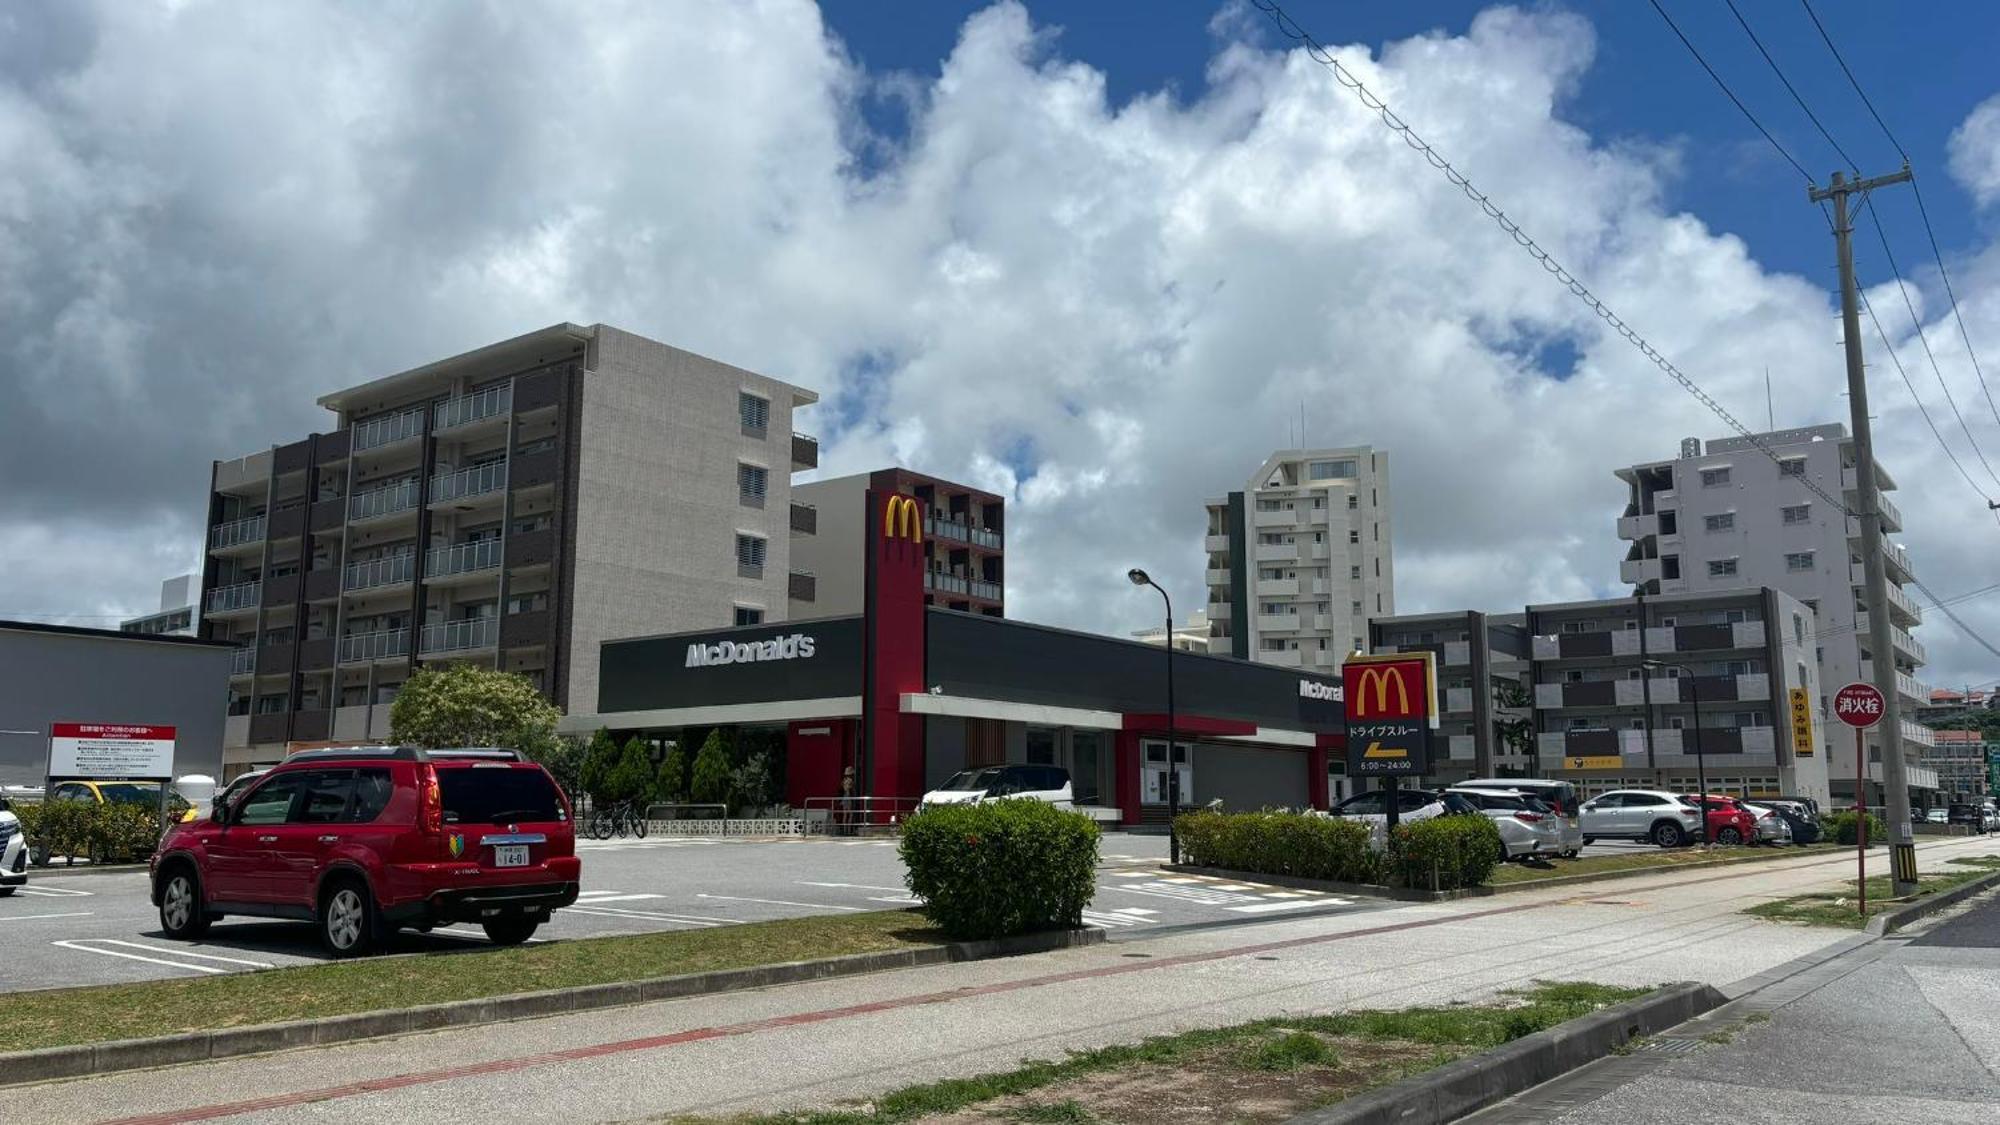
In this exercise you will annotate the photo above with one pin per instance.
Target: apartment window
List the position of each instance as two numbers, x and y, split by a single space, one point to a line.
1354 535
1376 532
1271 540
755 410
527 524
1275 609
1734 616
749 615
1800 669
1357 605
1319 536
1574 675
1354 572
1799 560
528 603
1378 568
751 481
1331 470
750 556
1269 645
1725 521
1714 478
1792 467
1750 719
1722 568
1677 722
1353 502
1378 603
1669 523
1799 628
1797 513
1578 626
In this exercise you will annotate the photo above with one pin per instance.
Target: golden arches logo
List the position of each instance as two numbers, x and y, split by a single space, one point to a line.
901 519
1380 679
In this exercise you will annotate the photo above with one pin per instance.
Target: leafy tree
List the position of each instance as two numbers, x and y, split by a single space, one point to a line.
564 759
632 778
672 783
711 770
466 705
750 784
598 759
1515 730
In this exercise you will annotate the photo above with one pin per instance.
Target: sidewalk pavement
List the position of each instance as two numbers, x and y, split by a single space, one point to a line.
1893 1031
809 1044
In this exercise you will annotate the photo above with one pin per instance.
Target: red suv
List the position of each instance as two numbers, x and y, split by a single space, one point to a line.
362 842
1728 821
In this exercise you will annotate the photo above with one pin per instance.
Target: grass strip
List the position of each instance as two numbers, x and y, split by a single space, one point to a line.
1259 1046
67 1016
1839 909
1667 858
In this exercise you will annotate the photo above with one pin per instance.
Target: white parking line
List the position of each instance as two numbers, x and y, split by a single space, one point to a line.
54 892
1294 904
592 898
648 915
782 902
856 886
479 936
67 914
80 947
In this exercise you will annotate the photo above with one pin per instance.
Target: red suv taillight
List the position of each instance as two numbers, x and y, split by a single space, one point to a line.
1529 817
430 815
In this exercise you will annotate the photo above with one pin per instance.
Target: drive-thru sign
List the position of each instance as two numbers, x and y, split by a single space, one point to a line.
1860 706
1391 701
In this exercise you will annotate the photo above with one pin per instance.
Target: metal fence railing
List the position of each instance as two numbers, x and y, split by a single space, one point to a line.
855 816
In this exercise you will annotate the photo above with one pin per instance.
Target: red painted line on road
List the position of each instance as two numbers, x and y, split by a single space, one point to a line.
826 1015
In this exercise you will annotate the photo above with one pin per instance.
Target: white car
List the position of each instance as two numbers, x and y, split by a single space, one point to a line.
1372 809
1528 828
1640 814
993 783
13 851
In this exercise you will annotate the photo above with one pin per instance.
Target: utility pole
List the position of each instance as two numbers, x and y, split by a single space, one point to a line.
1881 638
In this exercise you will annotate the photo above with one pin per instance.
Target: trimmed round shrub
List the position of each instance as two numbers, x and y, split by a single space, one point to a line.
1444 853
1000 868
1842 828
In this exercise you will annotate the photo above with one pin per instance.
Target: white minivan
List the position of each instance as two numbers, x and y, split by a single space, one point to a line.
992 783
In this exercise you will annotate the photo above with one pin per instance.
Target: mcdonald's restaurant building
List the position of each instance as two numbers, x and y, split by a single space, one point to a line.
906 695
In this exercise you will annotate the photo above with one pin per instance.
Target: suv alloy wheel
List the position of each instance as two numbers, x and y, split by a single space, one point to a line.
1728 835
181 915
1667 834
347 918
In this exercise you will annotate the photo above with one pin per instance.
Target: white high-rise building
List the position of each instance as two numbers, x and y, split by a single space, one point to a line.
1300 560
1725 516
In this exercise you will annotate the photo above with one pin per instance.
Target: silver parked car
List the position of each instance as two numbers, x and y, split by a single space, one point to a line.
1528 828
1560 796
1640 814
1771 828
13 851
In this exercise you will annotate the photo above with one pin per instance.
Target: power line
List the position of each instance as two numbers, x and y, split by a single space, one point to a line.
1724 86
1921 409
1875 220
1789 88
1923 212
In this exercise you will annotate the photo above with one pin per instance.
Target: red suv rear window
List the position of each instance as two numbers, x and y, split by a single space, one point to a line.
481 794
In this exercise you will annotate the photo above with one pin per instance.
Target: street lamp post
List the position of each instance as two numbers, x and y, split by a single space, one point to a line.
1700 766
1140 578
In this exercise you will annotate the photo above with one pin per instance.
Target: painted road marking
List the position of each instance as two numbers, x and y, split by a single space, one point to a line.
594 898
647 915
54 892
478 935
1110 921
80 947
1295 904
856 886
1199 895
782 902
66 914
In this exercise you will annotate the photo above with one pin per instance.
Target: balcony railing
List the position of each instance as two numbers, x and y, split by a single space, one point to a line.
460 636
382 644
463 558
389 570
474 407
984 589
235 533
386 429
243 661
389 499
947 583
243 595
476 481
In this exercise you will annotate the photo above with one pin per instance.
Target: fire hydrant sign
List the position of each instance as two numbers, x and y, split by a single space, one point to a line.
110 752
1858 705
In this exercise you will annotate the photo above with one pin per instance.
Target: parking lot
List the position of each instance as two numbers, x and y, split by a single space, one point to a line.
67 929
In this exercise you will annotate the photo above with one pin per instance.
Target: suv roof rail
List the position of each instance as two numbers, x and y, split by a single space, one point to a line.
493 753
398 753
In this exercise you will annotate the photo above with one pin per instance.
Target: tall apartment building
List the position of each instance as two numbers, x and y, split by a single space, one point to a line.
1960 760
1724 516
964 542
1483 688
513 506
1300 560
1191 637
179 614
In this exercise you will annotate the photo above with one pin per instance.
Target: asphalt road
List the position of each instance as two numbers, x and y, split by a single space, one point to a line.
76 929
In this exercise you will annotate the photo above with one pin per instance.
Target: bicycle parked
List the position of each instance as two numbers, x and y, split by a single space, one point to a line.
627 818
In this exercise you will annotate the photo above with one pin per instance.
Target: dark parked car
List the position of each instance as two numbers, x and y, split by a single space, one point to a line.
1972 816
1806 828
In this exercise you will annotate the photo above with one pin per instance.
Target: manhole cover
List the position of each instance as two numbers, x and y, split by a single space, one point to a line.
1667 1045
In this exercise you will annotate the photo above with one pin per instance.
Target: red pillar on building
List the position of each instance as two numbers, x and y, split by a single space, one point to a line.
894 649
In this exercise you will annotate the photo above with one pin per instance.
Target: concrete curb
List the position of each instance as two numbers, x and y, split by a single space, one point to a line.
89 1059
1371 890
1890 921
1633 872
1470 1084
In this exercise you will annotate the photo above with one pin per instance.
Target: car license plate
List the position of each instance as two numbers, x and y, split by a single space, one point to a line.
510 855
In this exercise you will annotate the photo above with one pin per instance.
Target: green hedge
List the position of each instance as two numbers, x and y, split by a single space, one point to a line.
1279 843
1001 868
1840 828
100 833
1445 853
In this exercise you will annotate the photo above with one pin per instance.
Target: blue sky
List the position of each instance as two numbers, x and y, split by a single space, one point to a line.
1925 66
